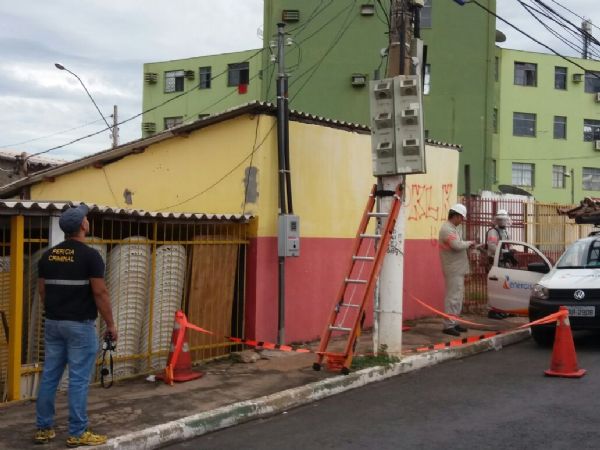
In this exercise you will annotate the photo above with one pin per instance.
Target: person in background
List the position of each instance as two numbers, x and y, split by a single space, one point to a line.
493 236
455 265
72 289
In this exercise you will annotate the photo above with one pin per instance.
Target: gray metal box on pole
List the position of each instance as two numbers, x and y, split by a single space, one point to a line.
397 135
288 243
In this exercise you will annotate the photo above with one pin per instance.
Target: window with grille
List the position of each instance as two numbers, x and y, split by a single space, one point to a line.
524 124
592 81
558 176
495 120
525 74
590 178
238 73
174 81
426 15
560 127
522 174
427 79
591 130
560 78
171 122
204 75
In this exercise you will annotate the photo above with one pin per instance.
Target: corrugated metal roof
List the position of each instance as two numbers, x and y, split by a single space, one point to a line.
138 146
35 208
44 160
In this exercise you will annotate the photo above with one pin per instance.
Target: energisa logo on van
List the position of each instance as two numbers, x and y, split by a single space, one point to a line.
516 284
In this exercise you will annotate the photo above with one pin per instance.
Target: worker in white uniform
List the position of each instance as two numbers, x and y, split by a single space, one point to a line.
496 234
455 265
493 236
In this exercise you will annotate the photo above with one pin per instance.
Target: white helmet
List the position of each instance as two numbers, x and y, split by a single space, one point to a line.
502 218
460 208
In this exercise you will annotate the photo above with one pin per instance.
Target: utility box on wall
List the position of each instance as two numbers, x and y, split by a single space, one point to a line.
289 235
397 142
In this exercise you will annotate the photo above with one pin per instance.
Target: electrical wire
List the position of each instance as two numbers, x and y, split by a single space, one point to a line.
575 14
315 67
575 27
537 41
8 146
555 33
139 114
229 172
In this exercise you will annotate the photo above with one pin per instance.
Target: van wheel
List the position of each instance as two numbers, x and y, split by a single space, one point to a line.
543 337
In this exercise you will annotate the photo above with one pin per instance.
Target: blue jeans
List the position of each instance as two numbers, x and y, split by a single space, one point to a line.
75 344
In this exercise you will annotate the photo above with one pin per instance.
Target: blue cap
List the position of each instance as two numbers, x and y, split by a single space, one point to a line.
71 219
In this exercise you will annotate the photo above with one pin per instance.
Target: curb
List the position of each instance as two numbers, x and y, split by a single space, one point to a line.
244 411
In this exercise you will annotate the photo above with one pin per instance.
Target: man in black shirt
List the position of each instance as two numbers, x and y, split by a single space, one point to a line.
72 288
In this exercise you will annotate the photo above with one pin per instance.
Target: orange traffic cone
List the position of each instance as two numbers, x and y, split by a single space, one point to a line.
179 363
564 359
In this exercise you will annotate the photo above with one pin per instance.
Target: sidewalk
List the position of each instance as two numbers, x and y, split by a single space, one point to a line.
274 383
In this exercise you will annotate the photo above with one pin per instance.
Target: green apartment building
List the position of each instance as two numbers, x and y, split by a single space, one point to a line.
546 125
335 49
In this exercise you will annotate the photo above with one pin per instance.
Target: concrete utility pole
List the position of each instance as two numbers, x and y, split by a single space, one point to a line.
115 129
285 202
586 31
388 306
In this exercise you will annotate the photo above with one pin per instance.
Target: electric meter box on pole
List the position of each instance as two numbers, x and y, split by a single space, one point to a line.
289 235
397 142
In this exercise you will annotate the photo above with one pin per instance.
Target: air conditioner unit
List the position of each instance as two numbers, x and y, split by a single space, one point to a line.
577 77
597 146
290 15
189 74
367 9
149 127
359 79
597 97
150 77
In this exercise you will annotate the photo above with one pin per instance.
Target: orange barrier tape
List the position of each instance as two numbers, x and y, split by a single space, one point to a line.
268 345
545 320
458 342
443 314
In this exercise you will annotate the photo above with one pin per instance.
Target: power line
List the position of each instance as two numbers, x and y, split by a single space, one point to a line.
532 38
315 67
530 9
229 172
139 114
574 13
8 146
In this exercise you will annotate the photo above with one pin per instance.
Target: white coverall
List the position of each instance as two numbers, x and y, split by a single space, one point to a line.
455 265
493 236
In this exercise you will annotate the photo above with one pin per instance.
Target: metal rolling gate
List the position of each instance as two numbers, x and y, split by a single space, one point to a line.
532 222
155 264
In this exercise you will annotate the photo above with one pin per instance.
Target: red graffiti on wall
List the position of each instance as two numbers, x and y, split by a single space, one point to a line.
424 205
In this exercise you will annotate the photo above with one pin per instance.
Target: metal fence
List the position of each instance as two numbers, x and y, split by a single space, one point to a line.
153 268
532 222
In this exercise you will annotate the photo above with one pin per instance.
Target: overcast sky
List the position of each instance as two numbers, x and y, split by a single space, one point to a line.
106 42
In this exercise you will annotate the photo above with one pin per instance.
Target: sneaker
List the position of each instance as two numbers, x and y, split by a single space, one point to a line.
451 331
460 329
44 435
496 315
87 438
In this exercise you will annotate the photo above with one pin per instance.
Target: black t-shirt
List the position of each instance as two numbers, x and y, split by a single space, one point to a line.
67 269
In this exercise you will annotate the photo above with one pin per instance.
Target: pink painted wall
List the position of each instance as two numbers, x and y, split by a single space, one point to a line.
313 280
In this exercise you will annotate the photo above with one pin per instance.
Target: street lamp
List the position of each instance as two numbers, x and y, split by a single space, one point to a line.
111 128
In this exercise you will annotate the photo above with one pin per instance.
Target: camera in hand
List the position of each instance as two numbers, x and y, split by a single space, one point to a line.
108 344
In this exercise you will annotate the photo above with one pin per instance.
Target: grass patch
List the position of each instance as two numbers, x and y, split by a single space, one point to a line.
381 358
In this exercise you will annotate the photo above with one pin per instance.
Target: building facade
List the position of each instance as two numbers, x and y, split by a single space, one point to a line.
335 49
227 164
215 83
546 125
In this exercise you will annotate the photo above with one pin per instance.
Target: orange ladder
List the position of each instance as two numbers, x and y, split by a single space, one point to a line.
348 316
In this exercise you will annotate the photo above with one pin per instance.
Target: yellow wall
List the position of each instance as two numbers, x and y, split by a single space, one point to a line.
430 195
331 177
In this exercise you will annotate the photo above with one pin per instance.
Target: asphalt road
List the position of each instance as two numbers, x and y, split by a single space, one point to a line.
495 400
